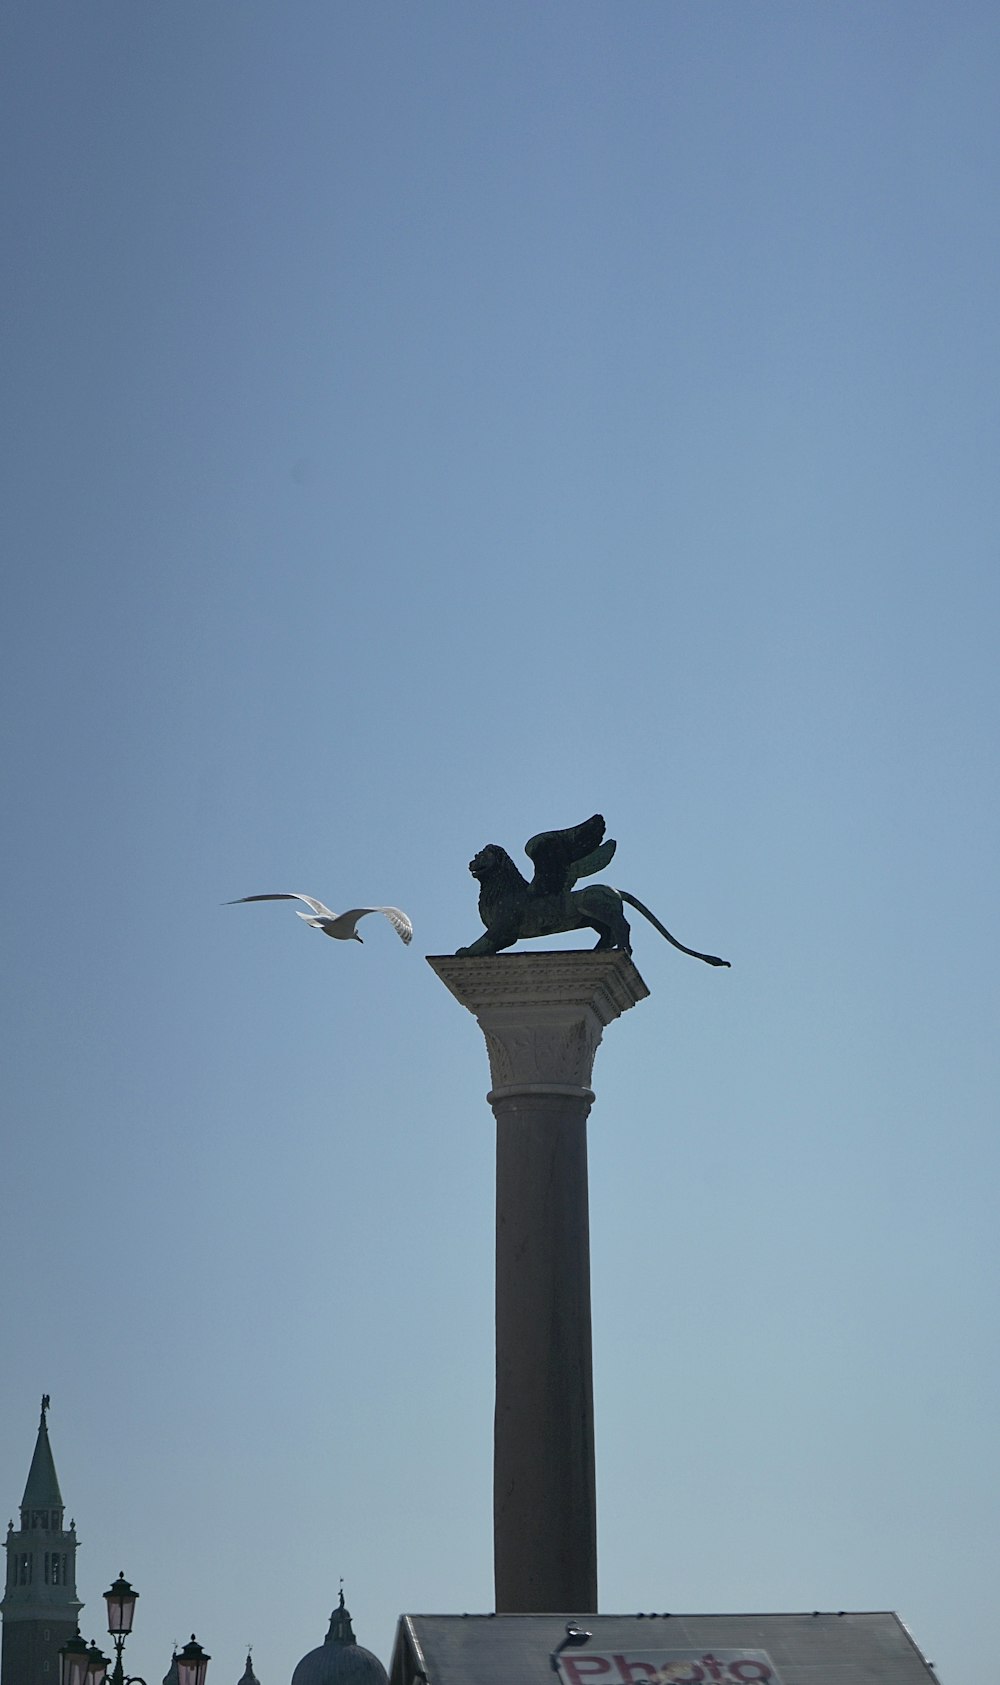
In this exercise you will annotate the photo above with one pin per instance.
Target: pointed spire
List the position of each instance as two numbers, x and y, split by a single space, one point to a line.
341 1630
42 1488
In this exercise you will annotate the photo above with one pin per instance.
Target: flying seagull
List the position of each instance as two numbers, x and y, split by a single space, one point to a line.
340 925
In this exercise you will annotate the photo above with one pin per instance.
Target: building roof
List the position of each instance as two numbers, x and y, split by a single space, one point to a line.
42 1488
867 1648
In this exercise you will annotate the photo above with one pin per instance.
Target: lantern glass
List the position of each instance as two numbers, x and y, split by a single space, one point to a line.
73 1658
121 1607
192 1664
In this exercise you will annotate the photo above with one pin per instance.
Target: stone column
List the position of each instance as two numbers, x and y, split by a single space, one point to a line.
542 1015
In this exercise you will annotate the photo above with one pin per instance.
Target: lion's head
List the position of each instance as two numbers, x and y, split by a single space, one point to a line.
490 860
500 883
502 889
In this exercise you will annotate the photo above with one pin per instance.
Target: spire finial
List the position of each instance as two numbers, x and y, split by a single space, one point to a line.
45 1406
341 1631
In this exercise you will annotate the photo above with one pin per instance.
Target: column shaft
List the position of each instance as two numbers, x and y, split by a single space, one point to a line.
544 1503
542 1016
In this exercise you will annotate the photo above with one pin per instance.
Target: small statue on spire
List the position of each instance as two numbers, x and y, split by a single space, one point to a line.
341 1631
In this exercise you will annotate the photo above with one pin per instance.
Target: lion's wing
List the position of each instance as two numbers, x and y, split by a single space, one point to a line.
560 857
592 863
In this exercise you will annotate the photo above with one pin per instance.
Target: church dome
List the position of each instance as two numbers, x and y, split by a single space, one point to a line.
340 1660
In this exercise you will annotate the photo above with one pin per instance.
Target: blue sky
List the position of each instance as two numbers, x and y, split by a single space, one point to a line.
427 424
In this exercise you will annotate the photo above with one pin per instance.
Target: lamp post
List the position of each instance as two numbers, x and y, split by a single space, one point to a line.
192 1664
85 1664
73 1659
120 1600
97 1665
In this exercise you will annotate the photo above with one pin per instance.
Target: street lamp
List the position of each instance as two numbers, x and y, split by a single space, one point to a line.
120 1599
97 1665
83 1664
73 1659
192 1664
121 1608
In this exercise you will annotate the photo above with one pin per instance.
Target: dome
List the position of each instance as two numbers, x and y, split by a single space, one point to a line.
340 1660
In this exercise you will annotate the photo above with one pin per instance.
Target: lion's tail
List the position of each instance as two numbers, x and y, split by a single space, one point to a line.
710 959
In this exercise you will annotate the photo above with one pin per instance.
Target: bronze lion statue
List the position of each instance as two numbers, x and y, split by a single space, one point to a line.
512 909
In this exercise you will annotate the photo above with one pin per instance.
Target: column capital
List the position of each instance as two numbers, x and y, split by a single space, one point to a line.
542 1013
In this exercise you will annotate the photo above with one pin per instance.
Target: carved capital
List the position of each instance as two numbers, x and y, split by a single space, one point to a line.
545 1048
542 1014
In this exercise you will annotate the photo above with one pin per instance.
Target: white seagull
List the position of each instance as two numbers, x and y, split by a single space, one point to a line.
339 925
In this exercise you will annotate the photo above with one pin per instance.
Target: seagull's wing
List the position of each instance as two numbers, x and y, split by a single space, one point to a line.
317 906
399 921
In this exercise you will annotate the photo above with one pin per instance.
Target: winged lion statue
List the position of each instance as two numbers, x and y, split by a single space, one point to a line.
513 909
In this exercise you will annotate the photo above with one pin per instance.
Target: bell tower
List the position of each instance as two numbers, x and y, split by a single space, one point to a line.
40 1607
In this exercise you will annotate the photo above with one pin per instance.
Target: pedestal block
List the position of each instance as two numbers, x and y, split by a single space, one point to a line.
543 1015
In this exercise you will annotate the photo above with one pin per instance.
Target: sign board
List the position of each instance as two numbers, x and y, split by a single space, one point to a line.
666 1667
